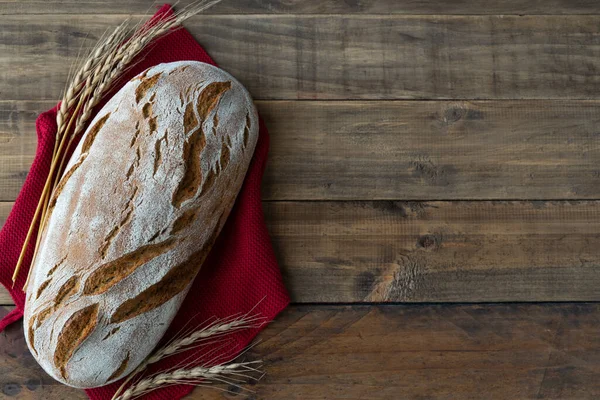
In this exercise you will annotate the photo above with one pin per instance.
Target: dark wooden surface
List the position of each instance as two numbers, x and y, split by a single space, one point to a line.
396 150
392 251
494 351
340 56
369 7
434 152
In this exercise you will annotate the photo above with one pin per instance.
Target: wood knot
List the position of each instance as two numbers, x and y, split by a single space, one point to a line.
33 383
11 389
453 114
365 282
429 242
426 169
456 113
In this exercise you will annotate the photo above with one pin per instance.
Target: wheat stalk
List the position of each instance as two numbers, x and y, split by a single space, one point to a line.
187 339
216 329
223 373
106 63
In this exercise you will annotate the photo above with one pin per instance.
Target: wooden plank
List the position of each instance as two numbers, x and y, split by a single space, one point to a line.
441 352
423 150
436 251
341 56
5 298
4 210
510 351
20 375
437 150
18 141
312 7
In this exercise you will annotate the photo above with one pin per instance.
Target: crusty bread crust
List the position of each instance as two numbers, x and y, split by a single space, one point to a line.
139 207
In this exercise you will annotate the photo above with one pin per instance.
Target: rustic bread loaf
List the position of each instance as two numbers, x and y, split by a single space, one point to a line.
142 201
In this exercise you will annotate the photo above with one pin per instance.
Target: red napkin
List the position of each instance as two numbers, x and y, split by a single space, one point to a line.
241 271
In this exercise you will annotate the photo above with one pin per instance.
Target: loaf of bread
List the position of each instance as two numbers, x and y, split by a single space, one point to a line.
134 216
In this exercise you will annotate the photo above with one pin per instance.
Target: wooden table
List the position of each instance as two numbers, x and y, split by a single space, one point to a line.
433 192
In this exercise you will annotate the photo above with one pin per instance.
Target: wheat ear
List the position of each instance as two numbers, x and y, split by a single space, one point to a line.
104 65
73 90
186 340
216 329
225 373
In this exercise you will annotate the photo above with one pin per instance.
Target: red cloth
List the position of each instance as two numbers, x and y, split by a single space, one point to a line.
240 271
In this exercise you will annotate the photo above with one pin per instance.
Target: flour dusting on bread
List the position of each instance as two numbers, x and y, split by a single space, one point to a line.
137 211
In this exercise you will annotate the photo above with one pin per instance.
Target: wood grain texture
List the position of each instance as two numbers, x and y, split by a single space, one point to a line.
342 56
547 351
5 298
472 106
391 150
436 251
18 141
312 7
4 210
442 150
20 375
